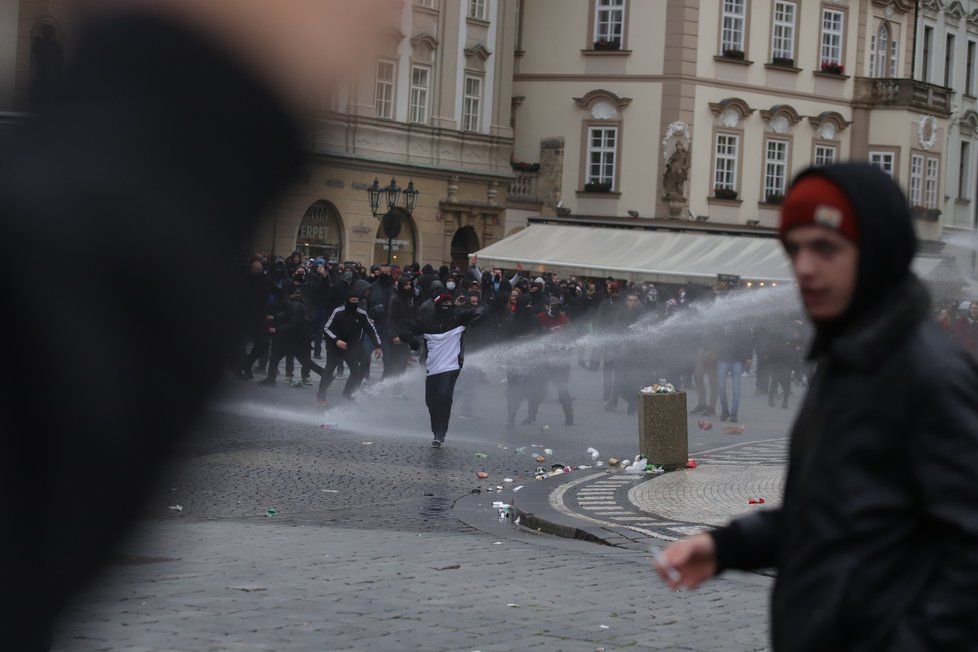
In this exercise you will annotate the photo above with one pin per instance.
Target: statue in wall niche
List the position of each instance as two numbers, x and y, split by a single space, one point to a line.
675 151
677 170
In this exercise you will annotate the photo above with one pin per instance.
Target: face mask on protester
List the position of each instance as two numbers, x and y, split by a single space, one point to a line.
450 285
351 306
348 276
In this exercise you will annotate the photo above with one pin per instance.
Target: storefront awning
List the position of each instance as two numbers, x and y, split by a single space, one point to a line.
638 255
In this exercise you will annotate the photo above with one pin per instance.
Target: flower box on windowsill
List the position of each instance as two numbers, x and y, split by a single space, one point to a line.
597 187
833 68
605 44
733 54
724 193
783 62
774 198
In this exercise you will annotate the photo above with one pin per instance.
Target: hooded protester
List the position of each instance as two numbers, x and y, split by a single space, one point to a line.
516 329
264 299
428 276
347 328
535 290
402 310
290 335
880 552
443 334
378 296
555 324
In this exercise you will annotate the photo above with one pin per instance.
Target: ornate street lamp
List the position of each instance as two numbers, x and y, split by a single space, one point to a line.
390 220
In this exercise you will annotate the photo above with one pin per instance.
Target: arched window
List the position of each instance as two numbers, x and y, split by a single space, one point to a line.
321 232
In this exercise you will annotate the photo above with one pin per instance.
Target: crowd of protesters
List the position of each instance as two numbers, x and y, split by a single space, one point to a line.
360 322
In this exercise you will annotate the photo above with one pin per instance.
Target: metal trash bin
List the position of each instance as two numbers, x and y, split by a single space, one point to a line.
663 434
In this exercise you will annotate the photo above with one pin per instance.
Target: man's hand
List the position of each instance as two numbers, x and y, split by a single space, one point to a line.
475 261
378 352
271 330
341 345
688 563
519 267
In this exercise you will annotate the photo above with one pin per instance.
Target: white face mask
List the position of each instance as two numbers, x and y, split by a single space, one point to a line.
450 285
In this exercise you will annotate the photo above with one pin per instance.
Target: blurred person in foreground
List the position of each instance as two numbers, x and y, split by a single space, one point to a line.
876 542
177 124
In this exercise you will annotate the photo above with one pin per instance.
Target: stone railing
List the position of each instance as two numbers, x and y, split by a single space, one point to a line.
903 93
524 186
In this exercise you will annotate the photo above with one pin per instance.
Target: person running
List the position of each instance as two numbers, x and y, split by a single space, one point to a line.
346 329
443 331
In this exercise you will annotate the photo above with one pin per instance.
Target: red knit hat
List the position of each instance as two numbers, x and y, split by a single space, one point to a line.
816 201
444 297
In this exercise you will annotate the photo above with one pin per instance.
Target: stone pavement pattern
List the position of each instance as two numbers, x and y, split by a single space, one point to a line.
368 553
228 585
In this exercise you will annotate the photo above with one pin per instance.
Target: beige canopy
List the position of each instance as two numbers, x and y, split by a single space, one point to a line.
639 255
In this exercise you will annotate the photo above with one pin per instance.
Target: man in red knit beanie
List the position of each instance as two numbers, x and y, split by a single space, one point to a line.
875 543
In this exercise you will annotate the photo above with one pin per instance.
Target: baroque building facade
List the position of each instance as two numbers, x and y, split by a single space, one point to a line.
433 109
705 110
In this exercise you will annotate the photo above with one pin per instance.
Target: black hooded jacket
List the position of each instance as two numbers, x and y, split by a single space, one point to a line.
876 543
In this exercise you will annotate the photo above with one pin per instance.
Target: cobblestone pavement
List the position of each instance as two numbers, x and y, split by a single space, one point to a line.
227 585
369 550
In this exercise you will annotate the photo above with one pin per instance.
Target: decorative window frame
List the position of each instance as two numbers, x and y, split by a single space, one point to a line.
722 52
824 7
479 102
592 26
834 145
428 94
391 83
604 109
894 152
586 128
738 164
788 141
828 125
483 10
794 37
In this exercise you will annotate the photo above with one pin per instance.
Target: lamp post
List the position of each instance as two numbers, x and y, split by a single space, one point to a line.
390 220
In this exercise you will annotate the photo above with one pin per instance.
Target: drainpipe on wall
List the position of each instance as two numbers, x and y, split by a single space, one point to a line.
913 56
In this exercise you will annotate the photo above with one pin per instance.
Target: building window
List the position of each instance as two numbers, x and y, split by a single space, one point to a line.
783 35
384 92
472 104
832 32
949 60
477 9
725 162
883 160
825 154
883 47
930 182
418 109
964 163
775 168
969 82
732 34
428 4
916 178
602 150
609 21
928 48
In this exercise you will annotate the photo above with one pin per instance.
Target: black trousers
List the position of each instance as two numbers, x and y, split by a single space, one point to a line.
258 350
297 347
396 358
439 390
335 357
